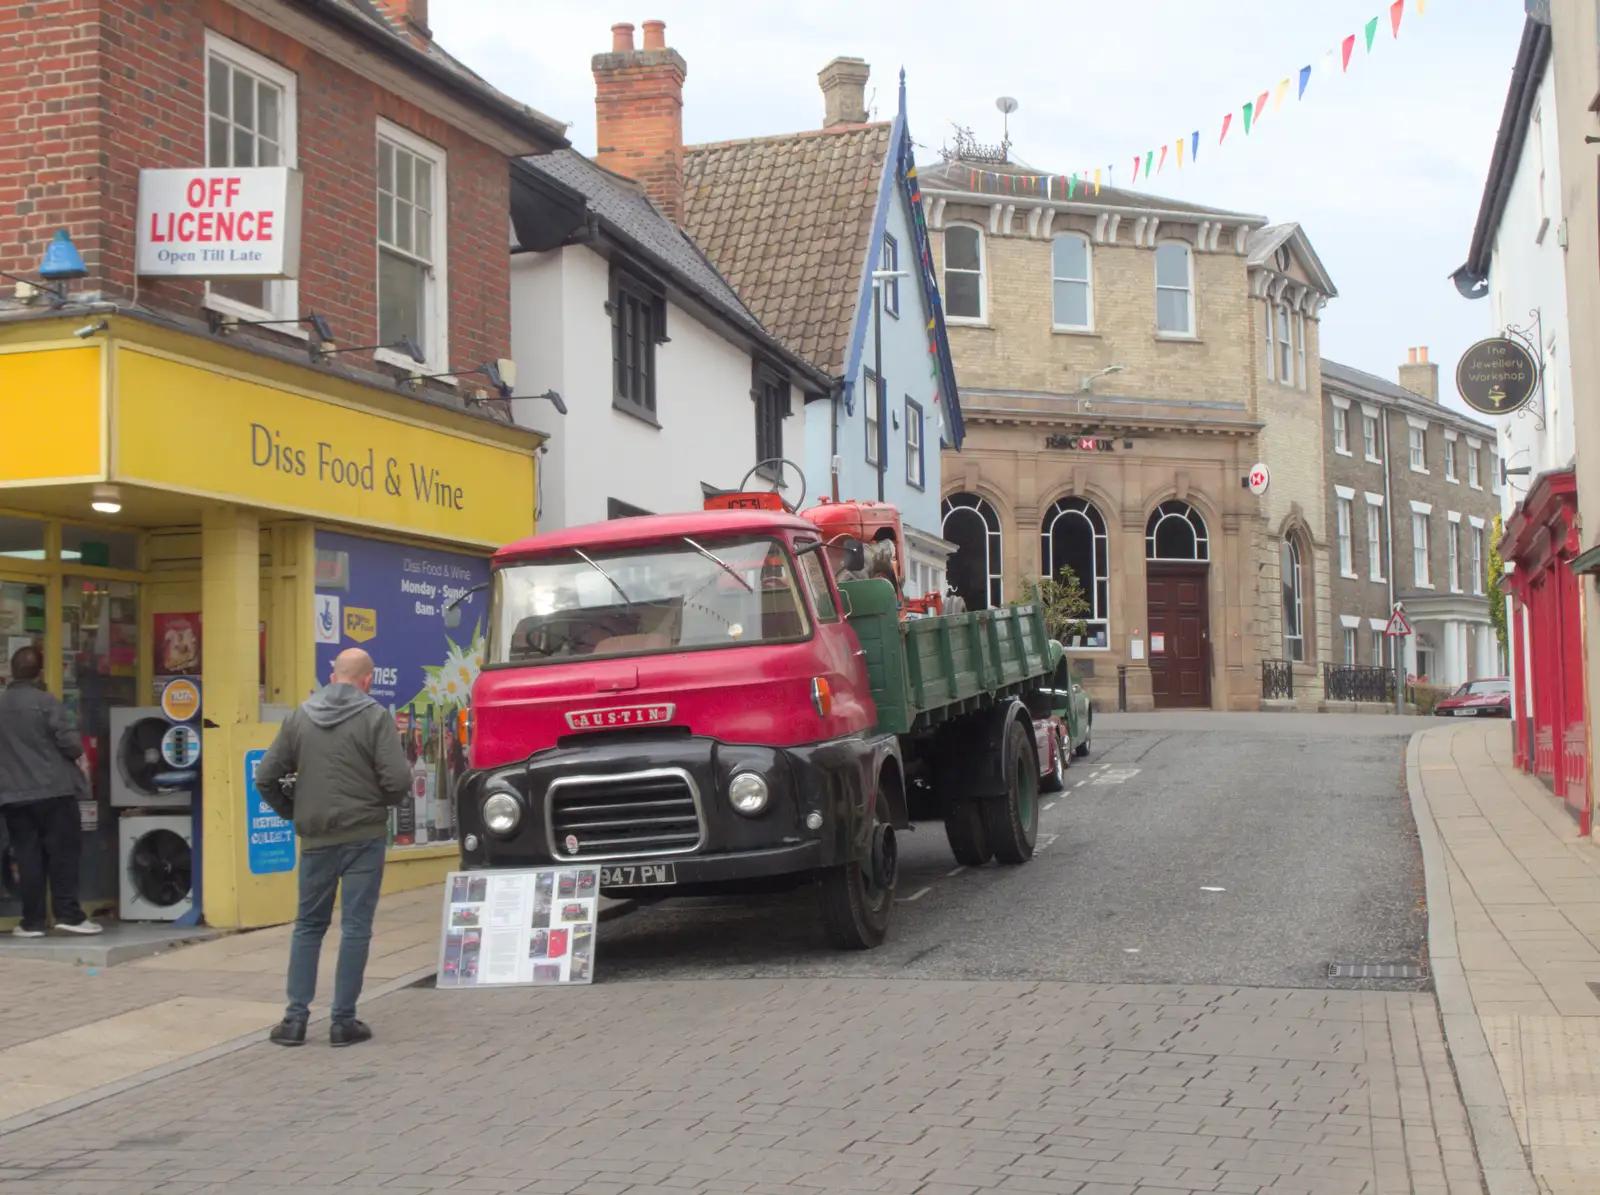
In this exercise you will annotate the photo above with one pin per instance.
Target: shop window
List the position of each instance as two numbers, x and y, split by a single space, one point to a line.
1073 535
21 539
99 649
1294 641
96 547
411 247
21 621
969 522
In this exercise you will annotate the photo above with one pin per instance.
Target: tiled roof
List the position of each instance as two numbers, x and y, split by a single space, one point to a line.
788 222
623 203
1349 378
959 176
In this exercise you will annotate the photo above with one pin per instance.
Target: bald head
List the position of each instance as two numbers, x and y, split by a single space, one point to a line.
353 667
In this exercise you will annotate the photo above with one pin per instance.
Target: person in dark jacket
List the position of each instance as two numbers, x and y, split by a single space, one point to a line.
42 775
341 754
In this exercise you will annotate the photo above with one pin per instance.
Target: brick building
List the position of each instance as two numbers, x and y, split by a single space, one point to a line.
1412 493
183 447
1124 361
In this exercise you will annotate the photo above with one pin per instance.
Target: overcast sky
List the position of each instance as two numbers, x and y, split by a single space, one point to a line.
1383 166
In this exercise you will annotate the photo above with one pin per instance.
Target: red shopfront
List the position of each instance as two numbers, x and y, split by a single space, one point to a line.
1552 737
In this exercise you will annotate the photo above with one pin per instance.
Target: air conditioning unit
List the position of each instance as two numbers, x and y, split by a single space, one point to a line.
140 777
155 858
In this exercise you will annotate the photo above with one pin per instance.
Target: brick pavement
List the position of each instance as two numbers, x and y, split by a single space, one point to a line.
894 1086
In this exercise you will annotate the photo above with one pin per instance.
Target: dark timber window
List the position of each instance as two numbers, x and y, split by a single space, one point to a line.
638 324
771 395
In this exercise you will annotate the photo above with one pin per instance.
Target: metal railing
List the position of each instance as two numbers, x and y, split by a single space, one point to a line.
1277 679
1353 682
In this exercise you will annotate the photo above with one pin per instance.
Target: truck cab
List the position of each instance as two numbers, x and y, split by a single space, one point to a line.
681 702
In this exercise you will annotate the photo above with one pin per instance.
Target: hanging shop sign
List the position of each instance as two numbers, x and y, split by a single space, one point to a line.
520 927
219 223
1497 376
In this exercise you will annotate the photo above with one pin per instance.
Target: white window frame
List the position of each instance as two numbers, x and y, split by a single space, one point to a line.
1377 626
1372 416
1450 458
1350 646
1272 339
1300 341
1421 545
1341 426
1289 552
283 295
1474 471
1188 257
437 315
1344 508
983 276
870 389
1285 345
916 430
1479 536
889 261
1087 280
1375 537
1453 551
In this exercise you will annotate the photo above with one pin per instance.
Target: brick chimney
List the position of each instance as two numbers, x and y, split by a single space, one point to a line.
844 91
638 103
1419 375
408 18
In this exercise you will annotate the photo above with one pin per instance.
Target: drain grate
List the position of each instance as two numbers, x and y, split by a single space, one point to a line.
1374 971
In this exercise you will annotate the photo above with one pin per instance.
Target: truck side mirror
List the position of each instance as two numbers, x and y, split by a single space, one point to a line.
855 555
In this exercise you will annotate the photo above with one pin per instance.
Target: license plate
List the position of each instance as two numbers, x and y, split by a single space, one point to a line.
1464 713
638 875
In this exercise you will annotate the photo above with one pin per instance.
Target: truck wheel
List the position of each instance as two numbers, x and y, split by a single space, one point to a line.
857 898
1056 781
1082 749
963 826
1012 821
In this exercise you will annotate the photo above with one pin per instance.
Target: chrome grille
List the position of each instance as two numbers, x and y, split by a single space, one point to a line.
634 815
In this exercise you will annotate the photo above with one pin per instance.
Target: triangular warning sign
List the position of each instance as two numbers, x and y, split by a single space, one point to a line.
1398 626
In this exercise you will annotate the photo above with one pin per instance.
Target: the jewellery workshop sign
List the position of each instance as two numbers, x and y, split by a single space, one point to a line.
1497 376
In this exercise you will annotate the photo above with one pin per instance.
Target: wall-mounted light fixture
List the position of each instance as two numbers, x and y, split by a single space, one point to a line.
554 399
502 375
406 345
106 499
1088 380
61 263
223 325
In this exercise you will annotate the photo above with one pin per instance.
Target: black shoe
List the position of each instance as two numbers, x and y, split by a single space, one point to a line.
348 1033
288 1033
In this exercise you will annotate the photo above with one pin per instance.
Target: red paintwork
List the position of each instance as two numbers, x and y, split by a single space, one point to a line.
759 694
867 521
1480 701
1048 734
1541 538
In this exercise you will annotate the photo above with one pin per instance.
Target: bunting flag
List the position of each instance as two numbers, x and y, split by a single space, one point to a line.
1333 63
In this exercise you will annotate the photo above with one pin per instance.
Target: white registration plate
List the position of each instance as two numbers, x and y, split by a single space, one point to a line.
1464 713
638 875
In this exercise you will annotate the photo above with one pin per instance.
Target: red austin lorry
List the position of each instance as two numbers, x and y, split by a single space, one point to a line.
693 703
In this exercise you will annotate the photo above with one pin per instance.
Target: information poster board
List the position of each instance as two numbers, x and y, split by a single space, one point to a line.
270 846
519 927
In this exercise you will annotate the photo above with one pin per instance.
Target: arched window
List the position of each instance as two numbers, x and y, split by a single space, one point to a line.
1176 532
1069 272
1074 536
963 272
1294 611
1174 289
974 570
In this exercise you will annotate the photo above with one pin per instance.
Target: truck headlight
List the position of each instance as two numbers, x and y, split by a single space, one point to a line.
501 813
747 793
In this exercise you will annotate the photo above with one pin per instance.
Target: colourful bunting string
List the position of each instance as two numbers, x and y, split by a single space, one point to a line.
1334 62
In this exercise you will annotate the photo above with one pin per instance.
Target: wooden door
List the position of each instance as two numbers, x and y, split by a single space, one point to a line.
1179 613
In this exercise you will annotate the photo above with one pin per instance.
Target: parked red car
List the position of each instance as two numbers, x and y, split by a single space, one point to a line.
1487 698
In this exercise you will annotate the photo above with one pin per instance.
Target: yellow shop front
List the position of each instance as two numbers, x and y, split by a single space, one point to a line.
180 510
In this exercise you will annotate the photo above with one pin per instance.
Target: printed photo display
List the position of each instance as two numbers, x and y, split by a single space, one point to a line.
519 927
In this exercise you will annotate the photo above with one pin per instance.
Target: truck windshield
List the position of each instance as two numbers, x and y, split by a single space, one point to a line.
668 597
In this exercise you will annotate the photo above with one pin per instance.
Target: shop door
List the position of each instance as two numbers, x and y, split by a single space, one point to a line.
1179 614
22 623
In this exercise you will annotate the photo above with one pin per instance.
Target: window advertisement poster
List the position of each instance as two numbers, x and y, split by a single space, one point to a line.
389 600
530 927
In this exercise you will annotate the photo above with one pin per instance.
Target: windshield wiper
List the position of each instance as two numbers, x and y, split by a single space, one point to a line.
627 602
719 562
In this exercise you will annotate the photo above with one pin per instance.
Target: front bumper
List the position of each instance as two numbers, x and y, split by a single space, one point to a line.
662 799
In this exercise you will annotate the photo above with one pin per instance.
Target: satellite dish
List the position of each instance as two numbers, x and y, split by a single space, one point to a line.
1006 104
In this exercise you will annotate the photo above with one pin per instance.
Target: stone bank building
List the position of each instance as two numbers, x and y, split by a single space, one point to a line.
1124 360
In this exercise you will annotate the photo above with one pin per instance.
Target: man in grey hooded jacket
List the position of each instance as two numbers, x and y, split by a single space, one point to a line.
343 753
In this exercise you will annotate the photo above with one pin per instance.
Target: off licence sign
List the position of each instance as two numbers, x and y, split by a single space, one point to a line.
219 223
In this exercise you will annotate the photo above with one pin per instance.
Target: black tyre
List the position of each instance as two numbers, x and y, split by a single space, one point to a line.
857 898
1082 749
1012 821
1056 779
963 826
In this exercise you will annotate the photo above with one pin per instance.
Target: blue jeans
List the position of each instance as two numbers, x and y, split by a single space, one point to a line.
357 867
